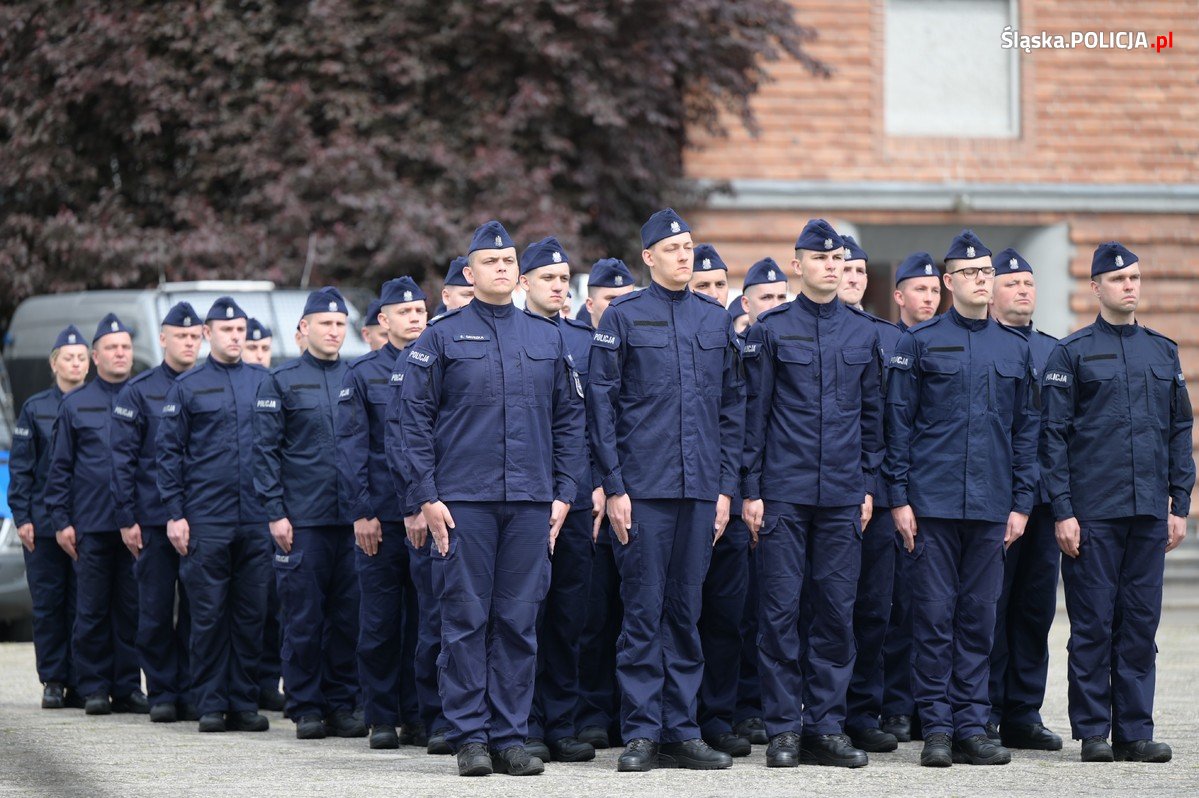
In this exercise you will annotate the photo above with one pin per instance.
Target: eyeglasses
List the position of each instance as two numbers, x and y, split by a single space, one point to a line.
970 272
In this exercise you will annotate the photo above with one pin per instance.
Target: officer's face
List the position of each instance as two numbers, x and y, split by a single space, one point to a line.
113 355
375 336
493 273
714 283
918 299
853 282
325 332
966 280
741 324
670 260
257 352
598 300
1119 291
457 296
70 364
226 339
760 298
180 345
403 322
819 272
301 342
546 288
1014 298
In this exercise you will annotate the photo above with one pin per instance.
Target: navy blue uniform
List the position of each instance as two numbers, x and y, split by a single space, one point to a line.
296 476
814 423
564 612
162 641
876 582
48 569
665 419
1020 655
205 465
961 450
78 495
384 581
490 423
1116 454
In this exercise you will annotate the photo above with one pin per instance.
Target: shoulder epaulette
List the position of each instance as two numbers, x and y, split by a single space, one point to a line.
540 317
1077 335
1156 334
582 325
444 316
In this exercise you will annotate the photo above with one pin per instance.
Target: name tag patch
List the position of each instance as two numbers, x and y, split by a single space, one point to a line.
267 404
471 337
123 412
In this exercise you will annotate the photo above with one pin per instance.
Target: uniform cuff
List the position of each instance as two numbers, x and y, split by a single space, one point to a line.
275 511
124 518
613 485
899 495
1181 506
423 494
1062 509
751 488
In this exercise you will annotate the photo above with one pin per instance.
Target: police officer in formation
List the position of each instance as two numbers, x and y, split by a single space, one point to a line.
480 522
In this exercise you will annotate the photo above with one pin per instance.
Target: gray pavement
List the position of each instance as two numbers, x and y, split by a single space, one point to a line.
64 752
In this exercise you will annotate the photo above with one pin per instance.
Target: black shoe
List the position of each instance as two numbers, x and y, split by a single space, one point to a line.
568 749
473 760
899 726
783 751
72 699
384 737
247 721
535 746
834 750
271 701
98 704
134 704
1143 751
163 713
344 724
692 755
595 737
212 722
53 696
980 750
414 734
937 751
1096 749
874 741
515 761
992 730
752 729
310 727
185 711
438 745
729 743
639 756
1030 736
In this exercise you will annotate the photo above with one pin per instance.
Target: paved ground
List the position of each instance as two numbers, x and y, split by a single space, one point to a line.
64 752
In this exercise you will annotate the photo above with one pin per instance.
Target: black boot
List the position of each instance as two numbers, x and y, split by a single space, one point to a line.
134 704
212 723
271 701
595 737
98 704
980 750
993 734
473 760
692 755
535 746
515 761
639 756
730 743
783 751
164 713
247 721
834 750
937 751
53 696
384 737
73 700
752 729
1029 736
898 725
875 741
1096 749
186 711
345 724
1143 751
310 727
568 749
439 746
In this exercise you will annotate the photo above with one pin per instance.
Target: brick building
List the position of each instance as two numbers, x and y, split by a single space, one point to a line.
928 125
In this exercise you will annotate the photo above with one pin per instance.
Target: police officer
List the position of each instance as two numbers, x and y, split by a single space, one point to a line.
1020 655
456 291
917 295
961 470
488 392
545 278
384 581
257 349
765 287
710 275
664 416
813 444
597 715
81 510
740 316
162 636
1117 459
295 474
372 331
48 569
872 606
216 522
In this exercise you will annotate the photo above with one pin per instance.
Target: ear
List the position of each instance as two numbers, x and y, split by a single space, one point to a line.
946 280
744 302
469 274
897 295
795 266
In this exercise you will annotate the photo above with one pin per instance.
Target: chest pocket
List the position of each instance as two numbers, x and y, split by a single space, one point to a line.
1100 389
941 382
538 364
851 367
467 373
797 378
649 364
710 346
1005 378
1160 378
